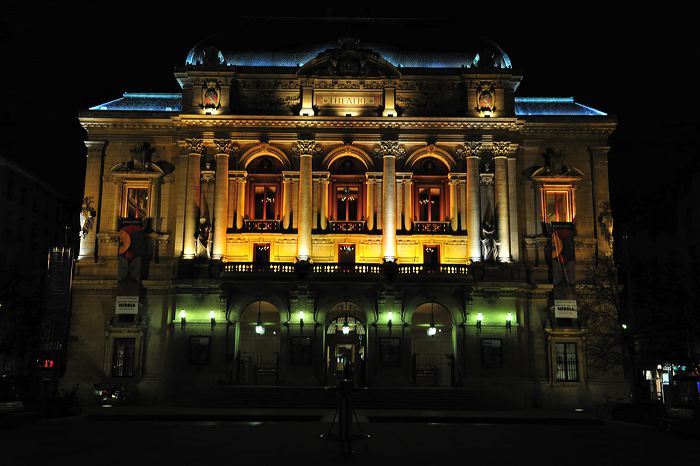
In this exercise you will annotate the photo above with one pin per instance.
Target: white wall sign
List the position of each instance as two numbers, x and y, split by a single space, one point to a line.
127 305
565 309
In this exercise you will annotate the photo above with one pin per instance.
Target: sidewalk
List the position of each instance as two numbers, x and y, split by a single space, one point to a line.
172 413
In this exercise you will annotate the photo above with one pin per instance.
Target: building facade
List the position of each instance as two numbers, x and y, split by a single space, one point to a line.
36 219
291 218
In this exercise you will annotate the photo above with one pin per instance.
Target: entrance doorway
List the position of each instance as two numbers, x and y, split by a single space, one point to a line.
258 356
431 256
346 254
346 344
432 346
261 254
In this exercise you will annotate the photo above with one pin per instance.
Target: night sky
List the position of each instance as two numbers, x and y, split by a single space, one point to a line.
60 60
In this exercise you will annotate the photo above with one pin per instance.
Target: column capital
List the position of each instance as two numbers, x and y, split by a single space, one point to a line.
306 147
503 149
192 146
469 149
94 147
225 147
389 149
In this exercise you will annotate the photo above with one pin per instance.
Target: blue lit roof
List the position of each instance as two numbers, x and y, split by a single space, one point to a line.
397 57
553 106
143 102
524 106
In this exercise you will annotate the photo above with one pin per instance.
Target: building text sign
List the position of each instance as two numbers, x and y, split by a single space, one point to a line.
348 100
565 309
127 305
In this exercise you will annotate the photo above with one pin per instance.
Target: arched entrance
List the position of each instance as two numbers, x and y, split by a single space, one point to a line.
432 346
258 360
346 345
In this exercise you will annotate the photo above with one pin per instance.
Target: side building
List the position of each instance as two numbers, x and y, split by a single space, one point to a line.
290 215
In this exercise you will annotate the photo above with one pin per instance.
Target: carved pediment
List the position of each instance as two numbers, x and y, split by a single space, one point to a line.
555 170
348 59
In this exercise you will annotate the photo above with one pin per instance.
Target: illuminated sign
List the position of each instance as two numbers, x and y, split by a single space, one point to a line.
348 100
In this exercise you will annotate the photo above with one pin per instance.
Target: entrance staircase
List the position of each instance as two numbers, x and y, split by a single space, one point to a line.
420 398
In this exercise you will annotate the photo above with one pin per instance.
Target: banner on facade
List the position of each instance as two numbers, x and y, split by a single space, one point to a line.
132 247
563 262
565 309
127 305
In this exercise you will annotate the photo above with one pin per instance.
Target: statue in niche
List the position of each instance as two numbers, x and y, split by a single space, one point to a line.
202 237
87 217
489 241
605 221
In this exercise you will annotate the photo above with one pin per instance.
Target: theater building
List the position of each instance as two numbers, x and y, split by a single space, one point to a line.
289 213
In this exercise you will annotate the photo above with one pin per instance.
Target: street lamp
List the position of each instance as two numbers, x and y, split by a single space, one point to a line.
432 330
346 326
183 319
509 322
212 318
259 329
390 317
479 320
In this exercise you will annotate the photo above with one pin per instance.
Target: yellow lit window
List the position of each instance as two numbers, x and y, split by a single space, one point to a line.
557 205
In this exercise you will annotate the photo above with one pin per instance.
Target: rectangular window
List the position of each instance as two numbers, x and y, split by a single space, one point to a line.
557 206
567 362
136 202
346 201
123 357
199 350
429 204
491 353
264 199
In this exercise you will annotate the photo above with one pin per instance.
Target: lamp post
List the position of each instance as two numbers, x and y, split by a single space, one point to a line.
479 320
183 319
390 317
212 318
509 322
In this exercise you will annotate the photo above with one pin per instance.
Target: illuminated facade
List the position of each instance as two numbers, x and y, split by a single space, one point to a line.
289 212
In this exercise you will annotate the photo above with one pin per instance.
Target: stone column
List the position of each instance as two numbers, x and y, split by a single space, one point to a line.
240 201
463 204
224 148
389 150
93 189
305 149
286 200
323 186
117 207
501 150
454 201
195 148
601 198
513 207
369 212
407 204
399 202
471 151
154 203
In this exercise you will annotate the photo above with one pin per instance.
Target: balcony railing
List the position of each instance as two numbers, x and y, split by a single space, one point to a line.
438 269
261 225
338 270
431 227
336 226
253 267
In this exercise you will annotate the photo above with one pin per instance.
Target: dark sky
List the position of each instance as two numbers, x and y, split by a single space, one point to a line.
58 60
